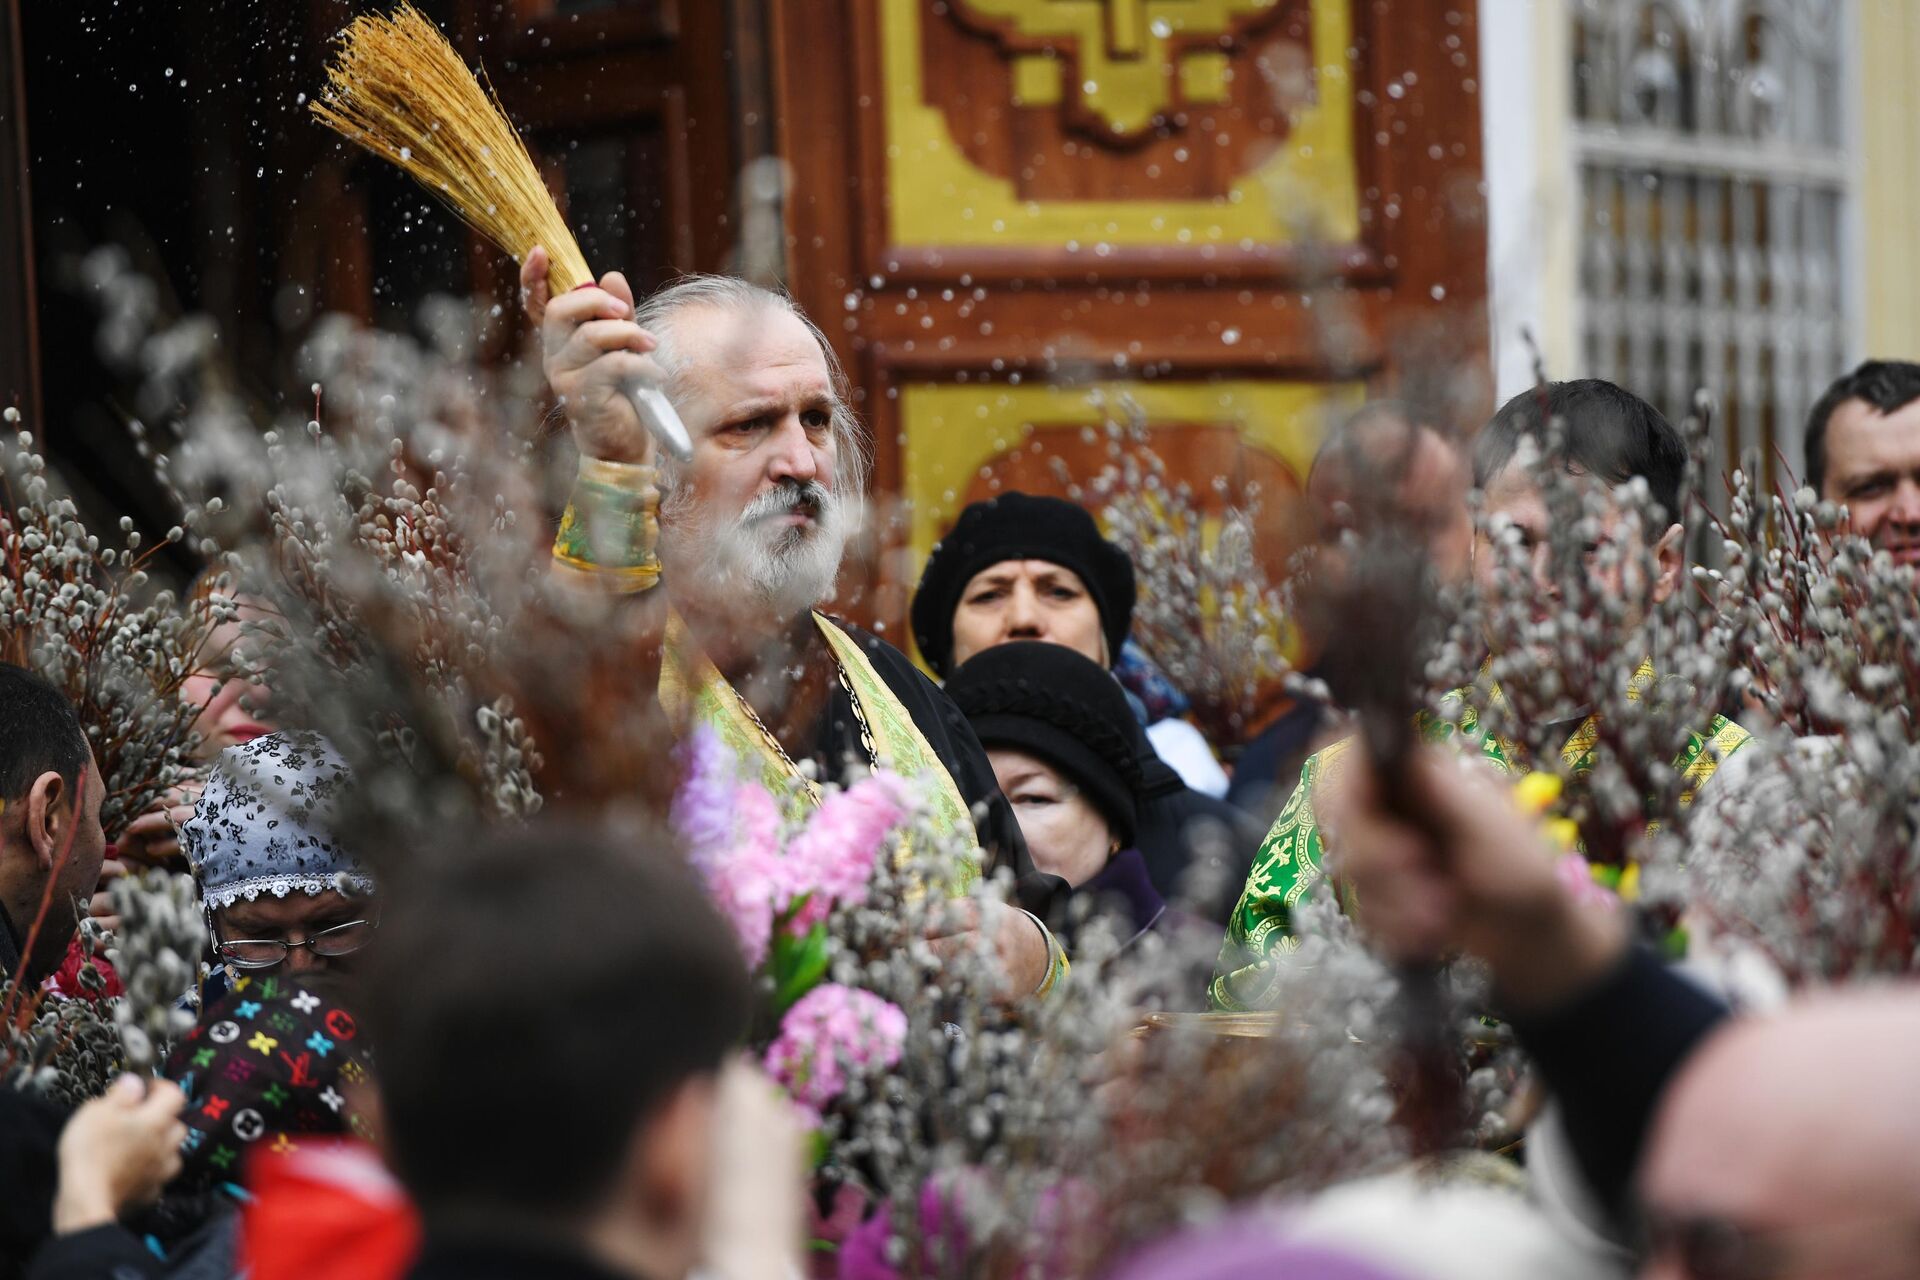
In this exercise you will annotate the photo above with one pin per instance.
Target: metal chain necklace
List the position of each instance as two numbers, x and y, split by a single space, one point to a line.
859 716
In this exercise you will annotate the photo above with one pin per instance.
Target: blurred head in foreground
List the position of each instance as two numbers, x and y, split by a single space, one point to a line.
552 1008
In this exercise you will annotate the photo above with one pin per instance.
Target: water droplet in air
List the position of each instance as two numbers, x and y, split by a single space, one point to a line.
1229 336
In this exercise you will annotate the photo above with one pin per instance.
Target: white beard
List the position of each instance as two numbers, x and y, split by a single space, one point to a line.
787 569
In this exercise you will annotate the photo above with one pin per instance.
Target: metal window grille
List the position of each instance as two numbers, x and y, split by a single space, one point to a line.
1710 143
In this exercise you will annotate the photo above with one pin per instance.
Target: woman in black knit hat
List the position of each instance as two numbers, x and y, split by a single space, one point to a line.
1062 740
1021 567
1024 568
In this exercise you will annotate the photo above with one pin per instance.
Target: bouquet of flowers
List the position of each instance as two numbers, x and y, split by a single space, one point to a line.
778 883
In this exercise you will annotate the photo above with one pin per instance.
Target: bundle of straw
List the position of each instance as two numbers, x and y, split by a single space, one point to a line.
397 88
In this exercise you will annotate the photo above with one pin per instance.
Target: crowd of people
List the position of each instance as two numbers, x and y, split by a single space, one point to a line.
516 1051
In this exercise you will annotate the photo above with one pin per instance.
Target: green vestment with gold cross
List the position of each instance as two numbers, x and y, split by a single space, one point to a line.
1292 857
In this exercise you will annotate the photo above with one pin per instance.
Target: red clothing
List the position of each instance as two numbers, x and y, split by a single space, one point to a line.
66 979
326 1211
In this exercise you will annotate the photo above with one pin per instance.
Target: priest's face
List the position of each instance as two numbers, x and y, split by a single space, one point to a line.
760 512
1619 564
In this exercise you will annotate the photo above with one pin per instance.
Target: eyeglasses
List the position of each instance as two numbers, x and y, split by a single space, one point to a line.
264 953
1713 1248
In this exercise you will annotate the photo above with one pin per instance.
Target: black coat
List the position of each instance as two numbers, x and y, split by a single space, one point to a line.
1172 816
29 1137
1269 765
109 1252
1609 1053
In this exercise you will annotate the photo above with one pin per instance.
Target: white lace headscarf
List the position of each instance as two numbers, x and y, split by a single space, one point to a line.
265 823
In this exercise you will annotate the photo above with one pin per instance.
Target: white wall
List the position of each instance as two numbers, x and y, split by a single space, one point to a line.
1526 109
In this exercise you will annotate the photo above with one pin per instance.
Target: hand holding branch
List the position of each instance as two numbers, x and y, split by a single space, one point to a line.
593 352
1478 876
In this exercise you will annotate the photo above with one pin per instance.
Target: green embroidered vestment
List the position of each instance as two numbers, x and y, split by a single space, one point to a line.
1292 857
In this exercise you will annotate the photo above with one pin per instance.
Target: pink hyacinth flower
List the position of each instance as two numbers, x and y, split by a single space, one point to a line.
730 828
832 1035
830 862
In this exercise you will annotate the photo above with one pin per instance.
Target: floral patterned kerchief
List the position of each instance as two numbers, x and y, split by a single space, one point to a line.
265 823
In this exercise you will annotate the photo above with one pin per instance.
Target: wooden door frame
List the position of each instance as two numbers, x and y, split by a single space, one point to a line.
19 324
1422 264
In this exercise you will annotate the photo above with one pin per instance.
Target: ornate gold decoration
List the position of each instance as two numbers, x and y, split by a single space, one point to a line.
1135 57
1305 187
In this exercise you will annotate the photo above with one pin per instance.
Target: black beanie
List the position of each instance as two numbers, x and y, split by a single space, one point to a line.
1020 526
1053 703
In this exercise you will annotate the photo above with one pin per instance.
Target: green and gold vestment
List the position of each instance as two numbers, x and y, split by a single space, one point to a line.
1292 856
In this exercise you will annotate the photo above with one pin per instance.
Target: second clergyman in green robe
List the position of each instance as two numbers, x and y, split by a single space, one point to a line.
1292 858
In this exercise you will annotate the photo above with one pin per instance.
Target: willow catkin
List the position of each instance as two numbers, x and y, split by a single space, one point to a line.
397 88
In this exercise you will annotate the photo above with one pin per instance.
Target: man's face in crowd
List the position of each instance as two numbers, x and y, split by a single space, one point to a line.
84 844
759 505
1873 468
1429 499
1027 600
297 918
1613 563
1788 1148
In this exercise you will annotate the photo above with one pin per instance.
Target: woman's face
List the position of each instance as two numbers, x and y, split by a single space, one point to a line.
233 708
1065 834
1027 600
297 918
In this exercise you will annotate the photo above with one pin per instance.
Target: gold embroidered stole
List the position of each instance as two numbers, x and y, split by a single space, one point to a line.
692 688
1292 858
1696 762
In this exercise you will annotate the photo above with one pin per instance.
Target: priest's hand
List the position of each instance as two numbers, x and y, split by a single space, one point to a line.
1478 876
592 351
1005 935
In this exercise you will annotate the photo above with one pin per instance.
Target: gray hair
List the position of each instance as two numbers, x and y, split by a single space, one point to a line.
658 315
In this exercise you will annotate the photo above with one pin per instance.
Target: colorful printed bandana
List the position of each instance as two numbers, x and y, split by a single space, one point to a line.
270 1063
265 823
